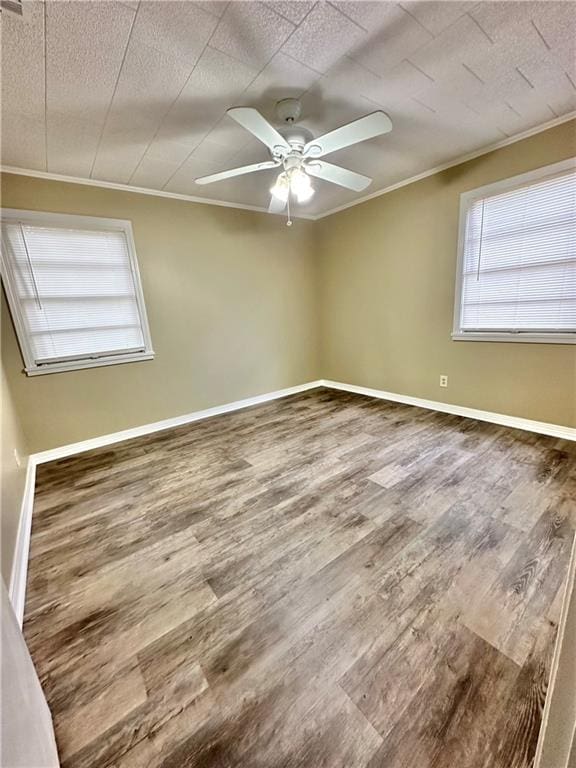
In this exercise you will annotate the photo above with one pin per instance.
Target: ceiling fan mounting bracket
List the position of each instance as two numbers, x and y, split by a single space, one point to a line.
288 110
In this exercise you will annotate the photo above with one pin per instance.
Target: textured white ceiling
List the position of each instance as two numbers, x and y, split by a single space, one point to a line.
136 92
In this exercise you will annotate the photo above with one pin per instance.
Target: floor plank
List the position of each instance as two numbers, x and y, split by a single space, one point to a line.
325 580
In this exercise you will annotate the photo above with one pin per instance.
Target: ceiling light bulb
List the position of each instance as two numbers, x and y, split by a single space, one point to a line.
281 188
305 195
300 183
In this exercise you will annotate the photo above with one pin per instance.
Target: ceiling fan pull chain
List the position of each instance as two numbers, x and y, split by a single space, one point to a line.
289 222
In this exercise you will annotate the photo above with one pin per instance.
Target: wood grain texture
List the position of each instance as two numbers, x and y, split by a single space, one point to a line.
326 580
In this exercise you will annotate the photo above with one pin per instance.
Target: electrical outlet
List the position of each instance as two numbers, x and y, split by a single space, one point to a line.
17 458
443 380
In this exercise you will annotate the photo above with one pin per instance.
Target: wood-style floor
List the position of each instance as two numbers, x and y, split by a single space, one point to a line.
324 581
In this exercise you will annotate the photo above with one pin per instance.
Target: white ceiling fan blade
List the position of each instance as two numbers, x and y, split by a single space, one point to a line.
365 128
276 205
237 172
337 175
252 120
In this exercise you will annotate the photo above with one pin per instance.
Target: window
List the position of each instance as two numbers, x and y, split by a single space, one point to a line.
74 291
516 278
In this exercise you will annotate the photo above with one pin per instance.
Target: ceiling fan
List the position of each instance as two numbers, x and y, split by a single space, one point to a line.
295 152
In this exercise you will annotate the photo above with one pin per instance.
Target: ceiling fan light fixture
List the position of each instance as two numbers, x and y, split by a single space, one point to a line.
305 195
300 185
281 187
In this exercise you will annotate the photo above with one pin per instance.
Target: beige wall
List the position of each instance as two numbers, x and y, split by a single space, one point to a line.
238 303
13 476
231 302
387 272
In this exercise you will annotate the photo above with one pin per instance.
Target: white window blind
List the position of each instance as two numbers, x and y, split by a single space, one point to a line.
74 290
518 260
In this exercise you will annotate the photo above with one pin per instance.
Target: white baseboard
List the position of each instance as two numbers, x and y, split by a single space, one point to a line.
554 430
158 426
20 564
542 427
17 590
17 587
558 727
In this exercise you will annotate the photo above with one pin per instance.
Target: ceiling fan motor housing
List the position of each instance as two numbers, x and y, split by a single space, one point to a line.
288 111
297 137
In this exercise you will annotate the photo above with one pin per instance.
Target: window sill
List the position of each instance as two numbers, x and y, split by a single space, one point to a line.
78 365
526 338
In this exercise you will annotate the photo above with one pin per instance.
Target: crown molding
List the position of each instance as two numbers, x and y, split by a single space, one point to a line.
311 217
138 190
450 164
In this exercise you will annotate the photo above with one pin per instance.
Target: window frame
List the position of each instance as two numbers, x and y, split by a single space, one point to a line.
72 221
466 200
